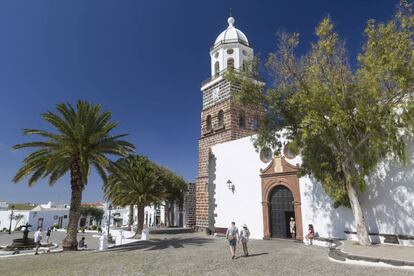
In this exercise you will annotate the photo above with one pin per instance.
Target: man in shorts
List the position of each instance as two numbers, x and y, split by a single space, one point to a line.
37 239
232 235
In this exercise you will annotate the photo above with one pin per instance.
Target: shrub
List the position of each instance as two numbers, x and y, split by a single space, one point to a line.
94 227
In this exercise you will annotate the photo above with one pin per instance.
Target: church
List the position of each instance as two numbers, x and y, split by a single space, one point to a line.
237 183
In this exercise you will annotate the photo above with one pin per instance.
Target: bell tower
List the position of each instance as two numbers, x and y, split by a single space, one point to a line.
222 119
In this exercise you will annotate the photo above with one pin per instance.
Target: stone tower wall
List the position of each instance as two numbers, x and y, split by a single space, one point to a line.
190 205
230 130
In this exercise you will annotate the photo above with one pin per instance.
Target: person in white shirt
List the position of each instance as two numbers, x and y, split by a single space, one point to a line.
232 235
37 239
244 238
292 228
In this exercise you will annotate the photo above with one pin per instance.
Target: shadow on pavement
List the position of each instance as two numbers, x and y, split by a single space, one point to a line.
158 244
252 255
258 254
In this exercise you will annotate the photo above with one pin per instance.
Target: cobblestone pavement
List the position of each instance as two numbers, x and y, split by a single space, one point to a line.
191 254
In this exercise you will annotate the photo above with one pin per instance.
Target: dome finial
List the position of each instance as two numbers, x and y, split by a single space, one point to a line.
231 20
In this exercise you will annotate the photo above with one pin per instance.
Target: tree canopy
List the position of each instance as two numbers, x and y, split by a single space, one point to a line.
136 180
93 211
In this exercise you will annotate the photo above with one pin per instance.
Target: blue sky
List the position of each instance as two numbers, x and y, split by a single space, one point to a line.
142 60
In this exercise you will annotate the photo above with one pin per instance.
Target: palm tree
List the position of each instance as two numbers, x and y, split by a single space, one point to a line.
134 181
81 140
174 190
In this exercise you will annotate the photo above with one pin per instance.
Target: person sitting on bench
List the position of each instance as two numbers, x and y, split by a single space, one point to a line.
311 233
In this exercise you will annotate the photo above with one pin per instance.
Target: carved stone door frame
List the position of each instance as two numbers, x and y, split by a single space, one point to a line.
280 172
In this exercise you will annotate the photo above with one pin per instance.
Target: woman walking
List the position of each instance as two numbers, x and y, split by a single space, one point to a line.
48 235
244 238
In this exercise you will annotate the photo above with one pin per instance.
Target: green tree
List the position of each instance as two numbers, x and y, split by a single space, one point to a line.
82 139
94 212
343 122
134 181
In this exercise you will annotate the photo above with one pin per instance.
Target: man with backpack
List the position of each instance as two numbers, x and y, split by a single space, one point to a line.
232 235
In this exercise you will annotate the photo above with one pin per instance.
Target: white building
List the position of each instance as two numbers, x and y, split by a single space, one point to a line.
153 216
43 216
236 183
4 205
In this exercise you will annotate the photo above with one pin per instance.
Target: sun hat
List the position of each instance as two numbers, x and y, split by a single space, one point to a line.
244 225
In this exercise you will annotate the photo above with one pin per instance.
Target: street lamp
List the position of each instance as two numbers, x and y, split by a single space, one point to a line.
230 185
109 218
11 218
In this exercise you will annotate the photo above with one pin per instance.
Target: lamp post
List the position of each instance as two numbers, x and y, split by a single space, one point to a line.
109 218
11 218
230 185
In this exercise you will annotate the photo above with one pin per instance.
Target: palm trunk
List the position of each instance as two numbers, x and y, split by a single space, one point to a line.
361 228
70 242
130 217
172 222
167 214
140 223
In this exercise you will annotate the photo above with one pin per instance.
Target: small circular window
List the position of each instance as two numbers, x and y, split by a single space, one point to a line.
266 155
244 53
216 55
287 152
230 51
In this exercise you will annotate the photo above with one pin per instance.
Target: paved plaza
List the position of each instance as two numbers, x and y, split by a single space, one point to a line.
190 254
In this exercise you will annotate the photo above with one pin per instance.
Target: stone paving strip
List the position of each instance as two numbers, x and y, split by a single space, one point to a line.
191 254
389 255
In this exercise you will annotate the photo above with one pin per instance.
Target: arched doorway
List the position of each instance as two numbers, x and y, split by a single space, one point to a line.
281 210
280 199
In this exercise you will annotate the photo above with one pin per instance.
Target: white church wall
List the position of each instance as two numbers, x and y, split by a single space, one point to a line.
388 202
390 197
317 209
238 162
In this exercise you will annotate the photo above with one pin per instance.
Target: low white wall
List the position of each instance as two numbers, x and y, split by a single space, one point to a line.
5 218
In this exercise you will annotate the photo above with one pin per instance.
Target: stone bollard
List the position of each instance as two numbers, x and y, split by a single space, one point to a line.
145 234
119 238
103 243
